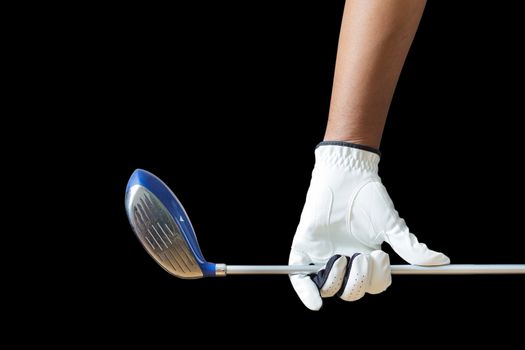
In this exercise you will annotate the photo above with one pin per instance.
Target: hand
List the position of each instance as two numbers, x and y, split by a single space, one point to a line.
347 215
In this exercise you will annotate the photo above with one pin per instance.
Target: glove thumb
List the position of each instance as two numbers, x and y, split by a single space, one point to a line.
303 285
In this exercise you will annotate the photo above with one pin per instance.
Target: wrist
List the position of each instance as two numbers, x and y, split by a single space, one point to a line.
360 146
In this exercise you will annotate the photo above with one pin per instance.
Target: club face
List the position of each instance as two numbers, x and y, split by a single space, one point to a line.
163 227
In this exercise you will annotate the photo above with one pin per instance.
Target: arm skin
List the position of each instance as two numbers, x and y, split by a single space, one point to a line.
374 41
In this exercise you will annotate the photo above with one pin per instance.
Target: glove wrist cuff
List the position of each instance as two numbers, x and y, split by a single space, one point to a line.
346 155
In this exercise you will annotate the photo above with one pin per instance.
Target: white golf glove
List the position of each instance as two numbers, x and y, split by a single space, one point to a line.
347 215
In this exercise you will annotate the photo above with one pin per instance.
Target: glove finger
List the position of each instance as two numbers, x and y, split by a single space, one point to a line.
408 247
380 275
330 279
356 278
398 235
303 285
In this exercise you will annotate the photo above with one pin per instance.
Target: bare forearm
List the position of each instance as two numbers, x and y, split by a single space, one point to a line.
374 41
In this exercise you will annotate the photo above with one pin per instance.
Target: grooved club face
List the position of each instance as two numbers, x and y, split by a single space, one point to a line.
160 235
162 226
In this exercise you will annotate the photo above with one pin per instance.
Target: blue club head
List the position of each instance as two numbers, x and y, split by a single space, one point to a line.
163 227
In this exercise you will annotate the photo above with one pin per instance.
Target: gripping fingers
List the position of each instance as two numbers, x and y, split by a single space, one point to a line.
330 279
351 277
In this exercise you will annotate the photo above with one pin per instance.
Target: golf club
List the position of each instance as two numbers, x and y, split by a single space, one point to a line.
165 231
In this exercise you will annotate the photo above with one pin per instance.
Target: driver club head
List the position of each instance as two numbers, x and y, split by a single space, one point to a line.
163 227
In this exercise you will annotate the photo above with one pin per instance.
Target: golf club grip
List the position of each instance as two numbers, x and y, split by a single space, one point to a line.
470 269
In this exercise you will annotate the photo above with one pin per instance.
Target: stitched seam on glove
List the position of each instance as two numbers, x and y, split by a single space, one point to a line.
388 202
323 223
378 233
321 276
347 274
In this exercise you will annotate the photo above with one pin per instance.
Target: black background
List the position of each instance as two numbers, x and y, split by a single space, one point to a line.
226 102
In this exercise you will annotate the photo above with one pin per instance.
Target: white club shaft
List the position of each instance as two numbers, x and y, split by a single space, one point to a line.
466 269
472 269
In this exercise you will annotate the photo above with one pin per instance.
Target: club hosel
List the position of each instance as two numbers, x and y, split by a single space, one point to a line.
220 270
